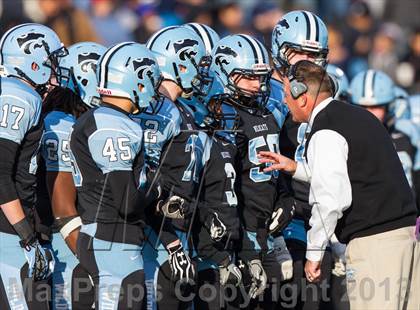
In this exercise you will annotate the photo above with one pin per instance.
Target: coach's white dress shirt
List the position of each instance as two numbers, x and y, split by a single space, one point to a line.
330 189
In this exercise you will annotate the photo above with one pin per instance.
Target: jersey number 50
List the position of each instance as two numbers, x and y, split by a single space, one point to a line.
255 174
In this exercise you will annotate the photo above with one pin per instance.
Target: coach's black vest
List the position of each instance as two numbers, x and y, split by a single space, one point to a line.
381 196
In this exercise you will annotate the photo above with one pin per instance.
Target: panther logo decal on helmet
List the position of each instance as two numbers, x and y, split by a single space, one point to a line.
88 60
222 54
31 40
185 48
143 66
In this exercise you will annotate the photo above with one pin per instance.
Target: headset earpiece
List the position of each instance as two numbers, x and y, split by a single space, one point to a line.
297 88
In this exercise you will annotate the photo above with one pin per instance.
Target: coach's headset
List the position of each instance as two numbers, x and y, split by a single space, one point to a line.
297 88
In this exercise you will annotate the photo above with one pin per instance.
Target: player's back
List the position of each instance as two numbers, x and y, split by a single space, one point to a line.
104 140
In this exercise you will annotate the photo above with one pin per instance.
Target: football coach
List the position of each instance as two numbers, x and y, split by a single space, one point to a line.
358 191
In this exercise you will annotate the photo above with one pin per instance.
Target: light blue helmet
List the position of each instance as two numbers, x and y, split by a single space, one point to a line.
206 104
301 31
340 82
31 52
207 35
400 109
131 71
77 71
178 50
238 56
372 88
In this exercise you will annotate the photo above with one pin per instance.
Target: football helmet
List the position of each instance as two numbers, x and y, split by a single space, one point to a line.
300 31
207 35
238 56
31 52
340 82
178 50
77 71
372 88
131 71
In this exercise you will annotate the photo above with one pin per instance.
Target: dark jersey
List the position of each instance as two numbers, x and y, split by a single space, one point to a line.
174 142
218 199
184 158
106 146
257 190
20 132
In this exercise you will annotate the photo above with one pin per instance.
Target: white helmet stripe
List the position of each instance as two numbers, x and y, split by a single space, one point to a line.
257 48
151 41
5 35
204 35
312 24
104 62
369 83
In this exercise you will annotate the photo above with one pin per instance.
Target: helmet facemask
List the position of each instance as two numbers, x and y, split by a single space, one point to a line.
250 99
281 60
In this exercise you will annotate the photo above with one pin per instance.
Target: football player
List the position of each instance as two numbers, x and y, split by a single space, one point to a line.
216 226
300 35
107 146
76 77
242 63
28 55
176 151
374 91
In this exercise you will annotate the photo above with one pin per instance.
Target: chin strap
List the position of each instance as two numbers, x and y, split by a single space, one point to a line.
41 89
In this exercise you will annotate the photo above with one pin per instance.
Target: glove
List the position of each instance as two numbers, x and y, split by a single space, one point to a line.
283 257
230 274
280 218
338 251
40 260
180 263
258 278
217 229
172 208
339 269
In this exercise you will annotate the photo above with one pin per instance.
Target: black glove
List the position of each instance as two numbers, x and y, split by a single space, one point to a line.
181 266
280 218
229 273
40 260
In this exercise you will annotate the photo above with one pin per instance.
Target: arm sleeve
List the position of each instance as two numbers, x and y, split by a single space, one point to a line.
302 172
7 161
330 192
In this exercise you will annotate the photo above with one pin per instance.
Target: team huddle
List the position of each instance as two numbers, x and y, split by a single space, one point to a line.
130 176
